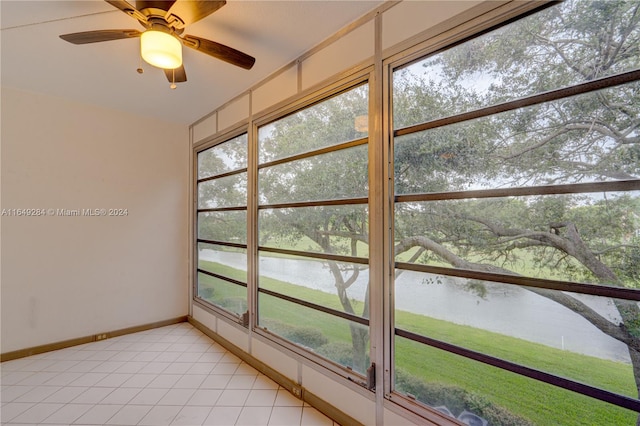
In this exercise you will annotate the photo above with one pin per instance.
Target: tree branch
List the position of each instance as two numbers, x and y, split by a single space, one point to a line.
618 332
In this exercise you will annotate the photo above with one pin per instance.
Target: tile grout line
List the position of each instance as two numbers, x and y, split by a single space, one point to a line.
128 350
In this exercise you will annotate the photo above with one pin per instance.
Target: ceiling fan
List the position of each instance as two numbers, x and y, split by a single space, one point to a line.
162 40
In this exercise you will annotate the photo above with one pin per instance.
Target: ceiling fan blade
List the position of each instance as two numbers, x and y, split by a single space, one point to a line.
220 51
190 11
180 76
99 35
127 8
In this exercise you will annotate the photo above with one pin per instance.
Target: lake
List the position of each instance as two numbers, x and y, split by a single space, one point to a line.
501 308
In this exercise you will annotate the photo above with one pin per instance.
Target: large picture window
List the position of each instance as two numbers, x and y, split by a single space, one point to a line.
313 227
486 226
517 221
222 225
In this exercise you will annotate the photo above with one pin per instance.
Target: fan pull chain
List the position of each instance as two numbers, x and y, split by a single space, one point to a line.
140 70
173 83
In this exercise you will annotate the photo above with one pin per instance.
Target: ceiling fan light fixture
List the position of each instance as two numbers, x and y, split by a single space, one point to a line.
161 49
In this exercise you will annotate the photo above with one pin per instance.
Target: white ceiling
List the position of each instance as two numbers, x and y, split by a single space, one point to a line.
34 58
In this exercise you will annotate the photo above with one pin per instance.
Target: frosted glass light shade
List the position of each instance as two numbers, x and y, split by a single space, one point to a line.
160 49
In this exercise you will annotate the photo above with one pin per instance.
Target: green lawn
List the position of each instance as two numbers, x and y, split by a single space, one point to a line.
541 403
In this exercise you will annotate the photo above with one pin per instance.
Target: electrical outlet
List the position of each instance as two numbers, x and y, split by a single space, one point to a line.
297 391
101 336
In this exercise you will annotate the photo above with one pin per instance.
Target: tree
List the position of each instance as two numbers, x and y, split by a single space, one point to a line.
337 175
222 192
588 138
592 137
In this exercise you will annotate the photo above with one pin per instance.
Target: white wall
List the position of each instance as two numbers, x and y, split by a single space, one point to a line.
68 277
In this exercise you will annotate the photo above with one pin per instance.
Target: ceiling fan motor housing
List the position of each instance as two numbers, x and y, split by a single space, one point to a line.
155 19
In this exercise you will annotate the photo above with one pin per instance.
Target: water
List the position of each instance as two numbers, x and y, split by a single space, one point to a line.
504 309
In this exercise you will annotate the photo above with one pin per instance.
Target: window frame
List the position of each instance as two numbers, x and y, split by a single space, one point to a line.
470 24
448 39
204 145
308 99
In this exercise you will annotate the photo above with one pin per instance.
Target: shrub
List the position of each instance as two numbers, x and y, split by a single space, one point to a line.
457 400
206 292
236 304
310 337
276 326
339 352
307 336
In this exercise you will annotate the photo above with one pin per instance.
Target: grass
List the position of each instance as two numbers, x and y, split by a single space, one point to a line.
538 402
541 403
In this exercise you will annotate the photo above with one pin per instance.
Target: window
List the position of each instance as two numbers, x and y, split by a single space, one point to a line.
222 225
313 226
517 221
505 254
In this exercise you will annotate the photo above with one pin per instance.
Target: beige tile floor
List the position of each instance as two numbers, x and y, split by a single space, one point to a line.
172 375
